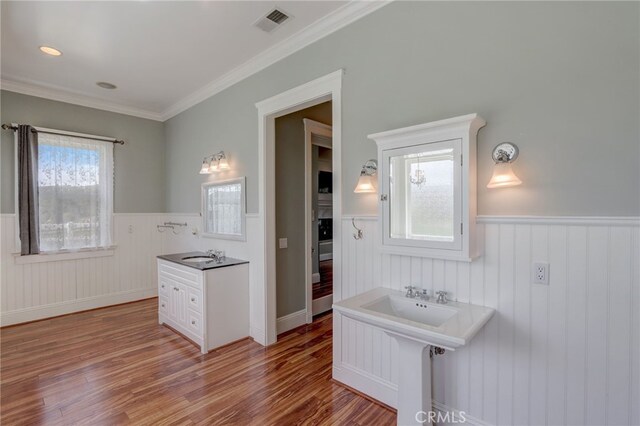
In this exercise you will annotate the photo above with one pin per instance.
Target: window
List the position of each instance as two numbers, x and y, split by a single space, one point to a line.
75 183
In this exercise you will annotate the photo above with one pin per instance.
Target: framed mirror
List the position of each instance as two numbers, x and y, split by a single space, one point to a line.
423 184
224 209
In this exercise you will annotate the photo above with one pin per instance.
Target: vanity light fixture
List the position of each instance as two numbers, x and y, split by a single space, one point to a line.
367 182
503 155
214 163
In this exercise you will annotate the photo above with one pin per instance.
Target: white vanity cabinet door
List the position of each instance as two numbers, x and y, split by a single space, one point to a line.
180 297
210 307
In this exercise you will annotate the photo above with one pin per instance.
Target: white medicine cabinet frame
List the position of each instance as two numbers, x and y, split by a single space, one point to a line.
427 181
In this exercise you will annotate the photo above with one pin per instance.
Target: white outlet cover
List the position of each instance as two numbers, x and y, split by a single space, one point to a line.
540 273
283 243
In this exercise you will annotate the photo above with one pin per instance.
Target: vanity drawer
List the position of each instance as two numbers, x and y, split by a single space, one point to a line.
163 305
194 322
163 287
194 300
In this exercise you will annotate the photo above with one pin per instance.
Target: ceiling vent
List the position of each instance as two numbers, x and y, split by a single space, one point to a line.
272 20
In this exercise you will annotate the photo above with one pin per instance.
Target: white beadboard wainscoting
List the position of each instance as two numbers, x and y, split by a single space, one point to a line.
34 291
564 353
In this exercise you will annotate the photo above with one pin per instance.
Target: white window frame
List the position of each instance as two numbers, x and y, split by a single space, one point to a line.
59 255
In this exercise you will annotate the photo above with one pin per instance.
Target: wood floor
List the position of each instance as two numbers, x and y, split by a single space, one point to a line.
118 366
325 286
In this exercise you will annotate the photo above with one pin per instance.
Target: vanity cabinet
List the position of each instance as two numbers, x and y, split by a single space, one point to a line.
427 181
210 307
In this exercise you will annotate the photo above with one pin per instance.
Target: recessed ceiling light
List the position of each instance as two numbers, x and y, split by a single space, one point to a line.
106 85
50 51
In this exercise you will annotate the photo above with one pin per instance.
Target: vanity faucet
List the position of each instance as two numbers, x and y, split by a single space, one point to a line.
442 297
425 294
412 292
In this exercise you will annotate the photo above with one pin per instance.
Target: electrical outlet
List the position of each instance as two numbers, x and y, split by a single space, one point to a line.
283 243
541 273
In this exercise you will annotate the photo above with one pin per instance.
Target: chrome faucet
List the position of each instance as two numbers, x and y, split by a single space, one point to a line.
425 294
216 255
442 297
412 292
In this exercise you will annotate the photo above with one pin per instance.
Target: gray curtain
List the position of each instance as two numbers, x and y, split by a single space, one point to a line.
28 190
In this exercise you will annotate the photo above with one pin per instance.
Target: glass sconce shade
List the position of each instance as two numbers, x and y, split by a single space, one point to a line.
204 170
503 176
366 184
223 164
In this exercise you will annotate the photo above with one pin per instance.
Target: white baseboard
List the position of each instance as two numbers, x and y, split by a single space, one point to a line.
368 384
321 304
257 336
460 417
291 321
315 277
387 393
71 306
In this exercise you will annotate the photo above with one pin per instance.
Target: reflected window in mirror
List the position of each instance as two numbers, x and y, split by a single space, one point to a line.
224 209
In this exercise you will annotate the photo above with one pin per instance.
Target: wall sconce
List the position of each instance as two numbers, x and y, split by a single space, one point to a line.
503 155
214 163
367 182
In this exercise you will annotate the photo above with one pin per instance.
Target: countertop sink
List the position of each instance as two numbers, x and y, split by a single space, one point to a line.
197 259
448 326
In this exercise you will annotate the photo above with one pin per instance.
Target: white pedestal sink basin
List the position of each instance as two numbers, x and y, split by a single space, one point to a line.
416 325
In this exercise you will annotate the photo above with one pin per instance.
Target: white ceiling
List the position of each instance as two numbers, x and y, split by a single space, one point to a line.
163 56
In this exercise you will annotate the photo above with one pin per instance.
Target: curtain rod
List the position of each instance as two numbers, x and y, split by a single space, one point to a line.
112 140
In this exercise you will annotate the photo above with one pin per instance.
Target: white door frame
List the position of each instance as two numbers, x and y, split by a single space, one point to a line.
263 290
311 127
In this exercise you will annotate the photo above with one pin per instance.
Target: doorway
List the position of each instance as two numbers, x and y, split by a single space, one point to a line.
319 177
263 285
304 210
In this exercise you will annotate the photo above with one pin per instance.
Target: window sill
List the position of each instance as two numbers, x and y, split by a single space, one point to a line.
60 256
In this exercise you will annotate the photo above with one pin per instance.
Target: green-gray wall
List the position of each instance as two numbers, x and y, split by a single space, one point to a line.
139 164
290 279
559 79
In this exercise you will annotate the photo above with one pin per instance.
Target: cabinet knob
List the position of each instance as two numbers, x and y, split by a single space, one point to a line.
162 285
163 305
193 299
193 322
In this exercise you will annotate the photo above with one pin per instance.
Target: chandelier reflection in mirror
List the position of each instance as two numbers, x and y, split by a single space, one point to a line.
418 178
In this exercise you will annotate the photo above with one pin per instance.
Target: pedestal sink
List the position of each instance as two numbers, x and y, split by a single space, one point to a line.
416 325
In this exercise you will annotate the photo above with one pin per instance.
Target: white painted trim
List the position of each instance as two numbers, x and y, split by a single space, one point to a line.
375 387
469 420
61 256
291 321
539 220
63 308
322 304
563 220
311 127
328 87
315 277
61 94
386 392
339 18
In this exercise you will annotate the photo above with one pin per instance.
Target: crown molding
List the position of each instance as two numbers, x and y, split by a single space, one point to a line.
64 95
332 22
